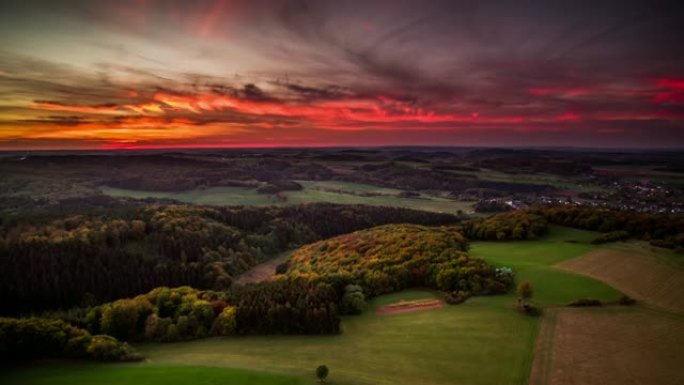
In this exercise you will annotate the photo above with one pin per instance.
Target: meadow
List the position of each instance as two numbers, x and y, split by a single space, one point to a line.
313 192
534 261
113 374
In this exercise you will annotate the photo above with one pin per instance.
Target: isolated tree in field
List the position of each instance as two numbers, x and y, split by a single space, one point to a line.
524 292
322 373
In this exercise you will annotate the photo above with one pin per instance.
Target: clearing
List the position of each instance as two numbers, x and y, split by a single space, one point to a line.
262 272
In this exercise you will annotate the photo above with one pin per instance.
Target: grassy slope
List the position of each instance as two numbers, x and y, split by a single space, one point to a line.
114 374
533 261
313 192
454 344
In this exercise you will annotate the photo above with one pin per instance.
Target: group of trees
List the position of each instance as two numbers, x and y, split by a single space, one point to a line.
61 261
664 230
286 306
283 306
393 257
37 338
164 314
514 225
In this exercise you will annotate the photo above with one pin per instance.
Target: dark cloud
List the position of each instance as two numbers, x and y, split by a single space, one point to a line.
555 71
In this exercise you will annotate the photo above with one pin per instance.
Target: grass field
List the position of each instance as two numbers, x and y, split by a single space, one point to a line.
314 191
450 345
116 374
534 261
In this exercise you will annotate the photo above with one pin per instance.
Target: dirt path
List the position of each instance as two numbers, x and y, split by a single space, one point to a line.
543 349
636 272
263 271
409 306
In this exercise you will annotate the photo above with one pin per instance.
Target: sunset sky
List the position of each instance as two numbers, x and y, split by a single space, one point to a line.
228 73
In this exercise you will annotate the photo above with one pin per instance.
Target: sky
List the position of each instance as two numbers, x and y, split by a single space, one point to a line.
135 74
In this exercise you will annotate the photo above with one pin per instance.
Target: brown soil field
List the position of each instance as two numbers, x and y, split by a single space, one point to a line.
261 272
637 272
609 346
409 306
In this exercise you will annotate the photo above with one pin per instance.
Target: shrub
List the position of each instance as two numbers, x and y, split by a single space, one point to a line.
530 309
225 323
626 301
172 334
281 268
31 338
322 373
525 290
585 302
77 347
152 329
456 297
353 301
126 318
612 236
106 348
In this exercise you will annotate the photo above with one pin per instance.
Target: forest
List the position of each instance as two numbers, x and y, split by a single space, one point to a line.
390 258
87 259
513 225
662 230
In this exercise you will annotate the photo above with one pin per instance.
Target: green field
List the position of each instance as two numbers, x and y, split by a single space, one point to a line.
450 345
533 261
314 191
114 374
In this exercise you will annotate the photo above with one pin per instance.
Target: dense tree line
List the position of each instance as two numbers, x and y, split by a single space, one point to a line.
662 230
60 261
514 225
38 338
288 305
393 257
404 177
285 306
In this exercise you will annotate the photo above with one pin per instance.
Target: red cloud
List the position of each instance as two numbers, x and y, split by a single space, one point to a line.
54 106
672 91
559 91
